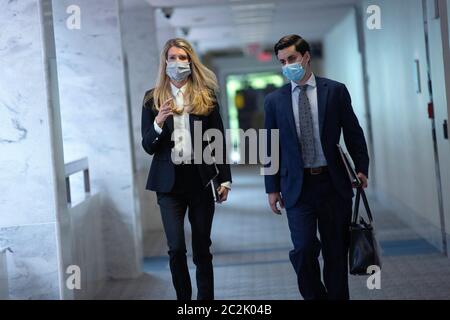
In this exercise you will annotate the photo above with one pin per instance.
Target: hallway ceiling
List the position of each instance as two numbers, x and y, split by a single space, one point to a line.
215 25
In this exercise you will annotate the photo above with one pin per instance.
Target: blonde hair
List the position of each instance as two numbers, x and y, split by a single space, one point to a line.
201 85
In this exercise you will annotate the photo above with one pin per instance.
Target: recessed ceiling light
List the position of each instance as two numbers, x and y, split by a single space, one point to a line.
252 14
254 6
251 28
253 20
198 19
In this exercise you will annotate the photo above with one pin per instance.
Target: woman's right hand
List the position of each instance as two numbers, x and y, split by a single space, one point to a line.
164 111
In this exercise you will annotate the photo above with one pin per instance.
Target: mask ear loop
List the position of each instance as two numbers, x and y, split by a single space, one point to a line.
302 61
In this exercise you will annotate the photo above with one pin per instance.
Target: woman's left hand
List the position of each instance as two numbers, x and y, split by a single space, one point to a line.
223 193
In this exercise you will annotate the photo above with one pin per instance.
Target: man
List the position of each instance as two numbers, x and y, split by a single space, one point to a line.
310 112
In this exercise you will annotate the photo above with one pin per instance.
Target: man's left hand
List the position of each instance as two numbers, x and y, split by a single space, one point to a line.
362 177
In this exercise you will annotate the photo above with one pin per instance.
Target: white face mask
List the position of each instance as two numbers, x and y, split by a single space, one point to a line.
178 71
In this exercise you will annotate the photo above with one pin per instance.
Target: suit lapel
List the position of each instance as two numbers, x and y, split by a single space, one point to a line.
287 111
322 95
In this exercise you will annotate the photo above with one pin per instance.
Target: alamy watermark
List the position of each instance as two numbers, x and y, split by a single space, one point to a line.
374 280
262 147
73 281
373 22
73 22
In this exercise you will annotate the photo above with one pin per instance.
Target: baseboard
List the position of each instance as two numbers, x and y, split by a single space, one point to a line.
410 217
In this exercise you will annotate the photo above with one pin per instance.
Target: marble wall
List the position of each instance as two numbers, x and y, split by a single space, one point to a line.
30 213
33 264
88 249
95 122
139 38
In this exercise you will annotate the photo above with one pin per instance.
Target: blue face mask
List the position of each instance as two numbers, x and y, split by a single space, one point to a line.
294 71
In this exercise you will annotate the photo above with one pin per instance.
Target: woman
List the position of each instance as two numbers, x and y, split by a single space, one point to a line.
184 94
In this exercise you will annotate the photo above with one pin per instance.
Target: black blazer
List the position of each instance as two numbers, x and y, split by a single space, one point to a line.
336 116
161 177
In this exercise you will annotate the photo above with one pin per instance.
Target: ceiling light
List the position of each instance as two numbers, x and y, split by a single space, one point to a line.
256 6
253 20
252 14
198 19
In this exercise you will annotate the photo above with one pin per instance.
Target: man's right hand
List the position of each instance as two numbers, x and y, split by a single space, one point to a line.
275 197
164 112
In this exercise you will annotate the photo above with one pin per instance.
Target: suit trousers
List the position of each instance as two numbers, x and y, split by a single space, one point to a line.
320 207
188 194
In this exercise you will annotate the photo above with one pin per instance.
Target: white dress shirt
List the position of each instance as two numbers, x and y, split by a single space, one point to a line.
311 93
181 129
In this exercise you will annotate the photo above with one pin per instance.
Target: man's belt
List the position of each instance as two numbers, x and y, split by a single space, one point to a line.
316 171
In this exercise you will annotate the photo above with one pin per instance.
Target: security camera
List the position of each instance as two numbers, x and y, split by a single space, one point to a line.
167 11
185 31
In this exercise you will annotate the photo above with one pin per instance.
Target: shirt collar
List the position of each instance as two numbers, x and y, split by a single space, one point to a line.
311 82
175 89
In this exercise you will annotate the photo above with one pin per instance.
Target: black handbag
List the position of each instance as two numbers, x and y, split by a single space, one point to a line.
364 248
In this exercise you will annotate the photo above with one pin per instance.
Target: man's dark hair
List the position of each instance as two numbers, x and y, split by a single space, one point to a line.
301 45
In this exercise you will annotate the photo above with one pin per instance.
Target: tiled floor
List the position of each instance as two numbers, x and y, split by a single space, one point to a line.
251 245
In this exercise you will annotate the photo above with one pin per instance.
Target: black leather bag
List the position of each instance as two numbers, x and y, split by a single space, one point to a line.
364 248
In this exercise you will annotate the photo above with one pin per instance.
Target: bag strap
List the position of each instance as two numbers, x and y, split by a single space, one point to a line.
360 193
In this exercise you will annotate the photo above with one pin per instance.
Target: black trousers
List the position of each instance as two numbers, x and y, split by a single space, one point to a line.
189 194
320 207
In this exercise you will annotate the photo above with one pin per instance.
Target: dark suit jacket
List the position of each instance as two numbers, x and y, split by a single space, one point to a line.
335 116
161 177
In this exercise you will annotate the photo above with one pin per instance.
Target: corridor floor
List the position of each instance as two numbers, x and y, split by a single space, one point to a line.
251 245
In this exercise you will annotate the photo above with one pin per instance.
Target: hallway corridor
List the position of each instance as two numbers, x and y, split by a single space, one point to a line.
80 146
251 244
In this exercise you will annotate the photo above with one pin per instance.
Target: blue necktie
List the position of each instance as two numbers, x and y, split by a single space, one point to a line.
306 128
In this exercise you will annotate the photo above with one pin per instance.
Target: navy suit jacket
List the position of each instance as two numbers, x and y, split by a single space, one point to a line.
161 176
335 116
